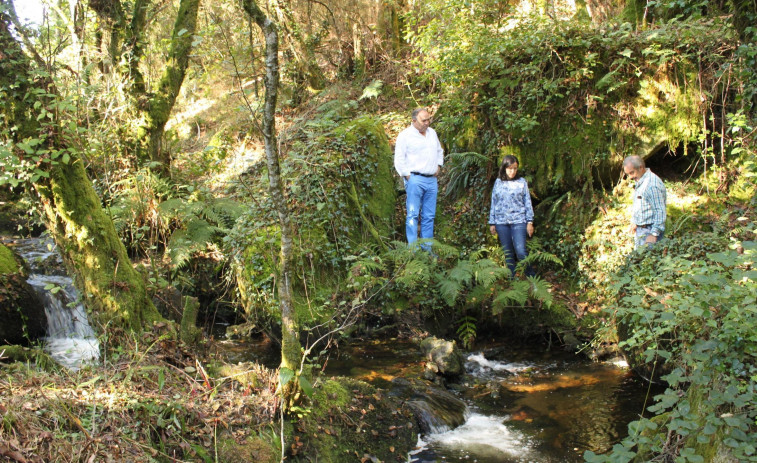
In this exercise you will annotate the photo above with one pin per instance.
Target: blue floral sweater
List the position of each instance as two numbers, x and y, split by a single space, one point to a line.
511 202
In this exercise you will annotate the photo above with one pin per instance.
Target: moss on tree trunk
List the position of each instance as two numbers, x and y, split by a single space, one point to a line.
160 105
87 239
92 249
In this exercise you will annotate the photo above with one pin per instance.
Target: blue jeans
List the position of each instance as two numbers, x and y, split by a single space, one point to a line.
641 236
513 238
421 200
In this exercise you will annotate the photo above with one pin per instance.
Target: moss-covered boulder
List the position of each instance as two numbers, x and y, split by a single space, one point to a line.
9 262
21 311
349 420
342 194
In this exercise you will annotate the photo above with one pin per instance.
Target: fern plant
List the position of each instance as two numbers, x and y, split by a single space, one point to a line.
445 279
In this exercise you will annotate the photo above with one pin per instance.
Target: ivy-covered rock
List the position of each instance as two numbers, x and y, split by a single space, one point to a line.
342 195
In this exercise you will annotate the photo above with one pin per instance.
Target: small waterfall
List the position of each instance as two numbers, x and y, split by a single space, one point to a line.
70 339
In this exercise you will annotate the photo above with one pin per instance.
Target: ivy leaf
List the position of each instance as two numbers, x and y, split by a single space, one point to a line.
285 375
307 388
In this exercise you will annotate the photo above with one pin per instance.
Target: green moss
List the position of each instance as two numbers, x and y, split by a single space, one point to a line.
374 183
33 355
8 262
255 448
93 250
349 419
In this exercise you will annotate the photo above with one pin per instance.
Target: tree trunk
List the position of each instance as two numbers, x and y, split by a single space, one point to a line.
84 233
291 351
160 105
133 48
110 15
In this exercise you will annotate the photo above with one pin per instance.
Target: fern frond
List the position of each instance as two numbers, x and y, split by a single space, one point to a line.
462 272
444 250
480 294
540 290
450 290
466 332
399 253
414 273
368 266
541 257
487 272
179 249
517 293
479 253
223 211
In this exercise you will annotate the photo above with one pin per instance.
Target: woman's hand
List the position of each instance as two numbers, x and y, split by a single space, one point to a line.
493 230
530 229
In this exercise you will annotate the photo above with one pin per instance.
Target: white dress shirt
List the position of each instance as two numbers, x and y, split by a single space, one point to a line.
415 152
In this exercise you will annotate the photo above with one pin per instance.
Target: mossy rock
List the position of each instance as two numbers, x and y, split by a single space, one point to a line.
8 262
348 420
342 195
21 311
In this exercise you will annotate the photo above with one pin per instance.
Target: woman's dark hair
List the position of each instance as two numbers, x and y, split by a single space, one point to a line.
507 161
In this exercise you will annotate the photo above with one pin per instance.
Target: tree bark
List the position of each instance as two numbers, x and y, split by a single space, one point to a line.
291 351
84 233
160 105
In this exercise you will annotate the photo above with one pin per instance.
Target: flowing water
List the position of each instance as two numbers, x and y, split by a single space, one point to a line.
70 339
524 404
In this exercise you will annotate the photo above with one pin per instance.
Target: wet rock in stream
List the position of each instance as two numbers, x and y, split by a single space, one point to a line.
435 409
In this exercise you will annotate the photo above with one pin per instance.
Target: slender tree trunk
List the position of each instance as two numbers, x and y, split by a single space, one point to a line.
84 233
291 351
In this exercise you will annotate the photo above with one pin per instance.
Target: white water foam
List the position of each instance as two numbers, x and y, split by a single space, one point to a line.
480 364
483 436
70 339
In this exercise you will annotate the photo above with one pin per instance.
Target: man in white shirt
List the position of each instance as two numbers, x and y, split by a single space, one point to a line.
418 155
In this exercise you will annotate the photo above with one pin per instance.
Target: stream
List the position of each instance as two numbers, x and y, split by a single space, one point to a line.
70 340
525 404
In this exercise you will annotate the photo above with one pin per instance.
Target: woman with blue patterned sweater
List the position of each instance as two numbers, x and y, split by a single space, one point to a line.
512 217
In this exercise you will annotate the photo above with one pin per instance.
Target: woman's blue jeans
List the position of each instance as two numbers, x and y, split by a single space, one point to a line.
513 238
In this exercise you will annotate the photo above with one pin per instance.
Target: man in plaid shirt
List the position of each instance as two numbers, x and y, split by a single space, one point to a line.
649 202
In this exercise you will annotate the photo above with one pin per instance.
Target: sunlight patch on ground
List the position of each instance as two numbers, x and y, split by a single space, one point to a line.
179 121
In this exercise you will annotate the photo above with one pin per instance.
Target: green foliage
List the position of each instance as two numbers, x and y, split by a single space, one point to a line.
445 280
569 99
341 193
466 332
689 302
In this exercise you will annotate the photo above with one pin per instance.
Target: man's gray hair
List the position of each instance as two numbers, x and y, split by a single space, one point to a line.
637 162
415 113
